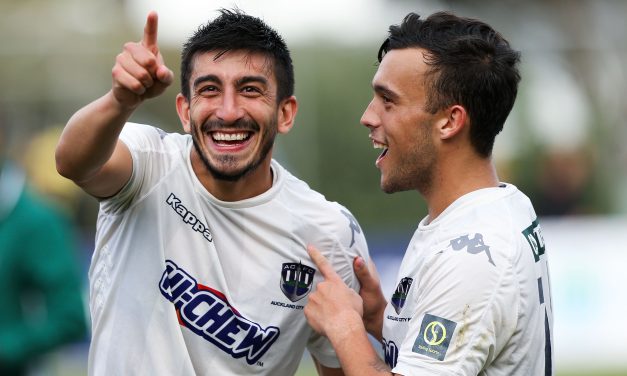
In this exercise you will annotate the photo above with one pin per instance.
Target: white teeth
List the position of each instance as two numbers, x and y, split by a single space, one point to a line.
229 136
378 145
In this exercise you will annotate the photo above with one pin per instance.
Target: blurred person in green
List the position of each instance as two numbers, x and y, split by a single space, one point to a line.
41 306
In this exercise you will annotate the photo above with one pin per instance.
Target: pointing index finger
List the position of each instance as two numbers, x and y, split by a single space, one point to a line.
322 263
150 32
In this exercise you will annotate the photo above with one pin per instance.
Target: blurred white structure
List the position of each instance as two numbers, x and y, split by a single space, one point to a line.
350 22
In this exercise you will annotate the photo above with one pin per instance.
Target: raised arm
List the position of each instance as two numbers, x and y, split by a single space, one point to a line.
88 151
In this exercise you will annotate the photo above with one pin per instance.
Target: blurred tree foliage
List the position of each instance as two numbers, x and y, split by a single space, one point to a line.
330 149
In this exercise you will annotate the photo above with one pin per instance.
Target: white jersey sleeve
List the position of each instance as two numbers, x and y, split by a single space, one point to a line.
151 161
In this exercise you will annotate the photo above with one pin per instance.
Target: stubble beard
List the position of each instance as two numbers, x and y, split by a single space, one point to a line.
267 140
416 170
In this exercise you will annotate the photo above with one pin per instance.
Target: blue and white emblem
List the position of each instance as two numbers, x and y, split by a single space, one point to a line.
400 294
296 280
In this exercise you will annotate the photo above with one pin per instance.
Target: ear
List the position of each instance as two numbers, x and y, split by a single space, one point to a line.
455 121
287 114
182 108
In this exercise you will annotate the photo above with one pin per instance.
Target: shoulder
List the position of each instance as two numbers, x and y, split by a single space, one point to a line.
136 130
326 224
154 151
491 222
146 137
315 208
156 155
305 200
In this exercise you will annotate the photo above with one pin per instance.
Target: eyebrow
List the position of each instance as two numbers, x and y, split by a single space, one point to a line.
382 90
205 78
248 79
239 82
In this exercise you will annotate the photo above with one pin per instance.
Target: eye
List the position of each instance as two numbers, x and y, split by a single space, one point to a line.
207 90
251 90
386 100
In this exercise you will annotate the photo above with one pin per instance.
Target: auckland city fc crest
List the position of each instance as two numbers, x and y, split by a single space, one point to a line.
296 280
400 294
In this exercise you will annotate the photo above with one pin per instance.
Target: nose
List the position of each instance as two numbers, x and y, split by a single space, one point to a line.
370 118
229 110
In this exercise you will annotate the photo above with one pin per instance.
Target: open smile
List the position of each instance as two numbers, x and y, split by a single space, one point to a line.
231 141
380 145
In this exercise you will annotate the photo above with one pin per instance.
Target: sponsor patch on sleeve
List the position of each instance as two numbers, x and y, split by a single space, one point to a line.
434 336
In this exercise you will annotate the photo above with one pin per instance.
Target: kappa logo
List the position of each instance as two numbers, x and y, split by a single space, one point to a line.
473 246
188 217
400 294
434 336
161 132
296 280
353 225
207 313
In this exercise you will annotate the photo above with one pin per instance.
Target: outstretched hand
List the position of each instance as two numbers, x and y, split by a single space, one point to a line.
333 307
140 72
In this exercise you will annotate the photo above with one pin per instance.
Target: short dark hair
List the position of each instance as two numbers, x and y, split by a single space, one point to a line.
471 65
235 30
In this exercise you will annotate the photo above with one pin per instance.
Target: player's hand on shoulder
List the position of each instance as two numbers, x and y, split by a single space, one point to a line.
139 72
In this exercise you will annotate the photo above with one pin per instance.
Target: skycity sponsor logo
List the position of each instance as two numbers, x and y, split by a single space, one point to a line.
435 336
207 313
188 217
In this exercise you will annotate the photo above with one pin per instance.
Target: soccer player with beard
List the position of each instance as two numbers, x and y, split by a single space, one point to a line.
200 264
473 294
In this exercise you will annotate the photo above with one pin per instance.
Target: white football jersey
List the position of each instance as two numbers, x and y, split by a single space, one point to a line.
473 295
182 283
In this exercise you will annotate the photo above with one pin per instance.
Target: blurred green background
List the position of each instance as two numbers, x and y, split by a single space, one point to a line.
563 144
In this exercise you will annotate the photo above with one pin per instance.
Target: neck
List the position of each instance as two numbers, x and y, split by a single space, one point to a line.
456 178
